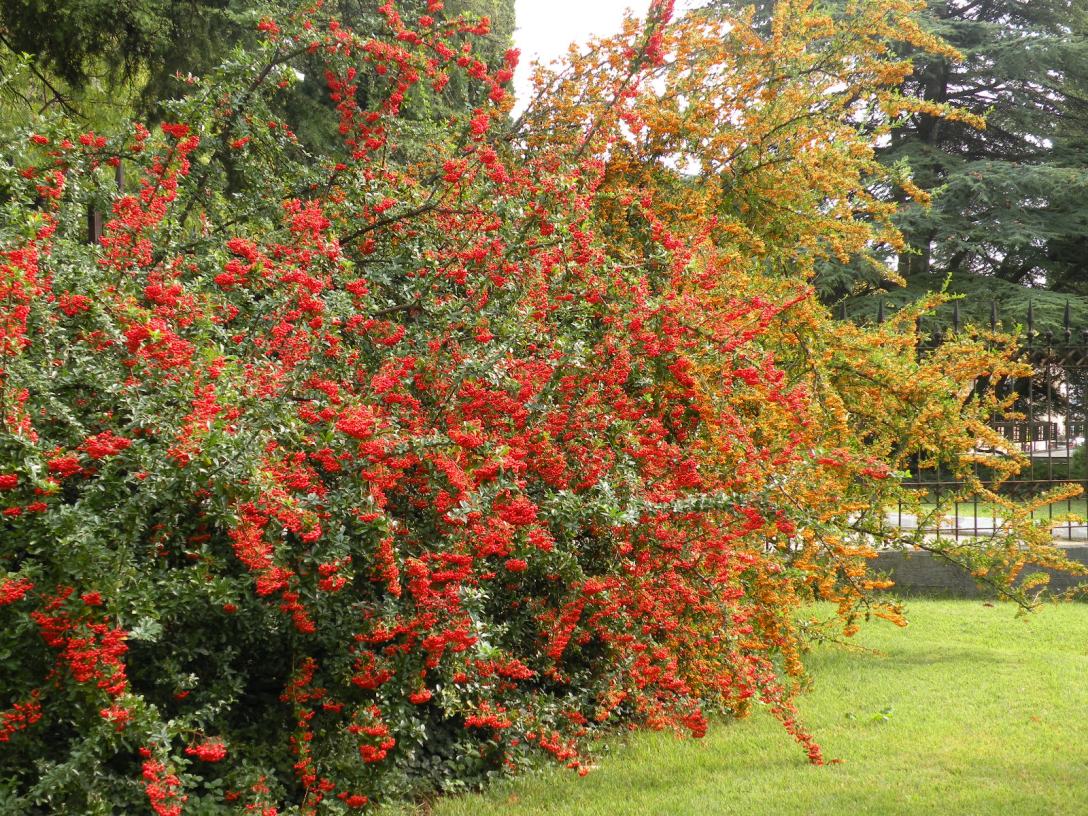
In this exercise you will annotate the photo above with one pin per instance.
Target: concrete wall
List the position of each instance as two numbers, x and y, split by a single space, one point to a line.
924 573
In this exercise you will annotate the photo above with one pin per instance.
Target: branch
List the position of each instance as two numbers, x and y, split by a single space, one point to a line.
392 219
57 95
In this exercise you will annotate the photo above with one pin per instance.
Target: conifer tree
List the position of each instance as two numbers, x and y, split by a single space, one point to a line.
1008 216
105 61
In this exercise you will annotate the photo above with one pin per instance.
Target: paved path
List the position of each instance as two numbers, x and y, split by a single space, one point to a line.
967 525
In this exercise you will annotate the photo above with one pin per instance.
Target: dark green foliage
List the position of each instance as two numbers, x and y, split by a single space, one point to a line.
107 45
981 299
89 52
1009 211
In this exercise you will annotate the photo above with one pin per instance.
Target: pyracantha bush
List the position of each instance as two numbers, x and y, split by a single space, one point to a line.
332 478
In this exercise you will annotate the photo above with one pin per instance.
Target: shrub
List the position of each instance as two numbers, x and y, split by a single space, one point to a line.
334 478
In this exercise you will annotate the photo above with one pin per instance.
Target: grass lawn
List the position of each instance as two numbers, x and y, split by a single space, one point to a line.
968 510
967 711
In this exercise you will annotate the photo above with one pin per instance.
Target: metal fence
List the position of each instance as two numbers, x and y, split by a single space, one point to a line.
1051 434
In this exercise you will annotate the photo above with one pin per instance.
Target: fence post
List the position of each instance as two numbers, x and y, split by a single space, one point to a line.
94 225
94 217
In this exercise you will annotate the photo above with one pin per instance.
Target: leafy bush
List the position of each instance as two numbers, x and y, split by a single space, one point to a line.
334 478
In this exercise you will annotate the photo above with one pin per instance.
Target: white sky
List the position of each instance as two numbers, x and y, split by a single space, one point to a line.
546 27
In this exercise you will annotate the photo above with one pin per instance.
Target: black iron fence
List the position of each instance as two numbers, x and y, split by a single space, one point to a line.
1051 433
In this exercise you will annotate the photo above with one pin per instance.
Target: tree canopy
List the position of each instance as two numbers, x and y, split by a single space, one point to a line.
1007 217
107 61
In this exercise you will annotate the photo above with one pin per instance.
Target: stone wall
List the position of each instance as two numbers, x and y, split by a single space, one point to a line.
922 572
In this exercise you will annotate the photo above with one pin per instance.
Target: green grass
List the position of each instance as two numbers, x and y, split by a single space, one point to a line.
967 711
968 510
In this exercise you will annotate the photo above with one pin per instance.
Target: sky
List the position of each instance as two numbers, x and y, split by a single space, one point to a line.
546 27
